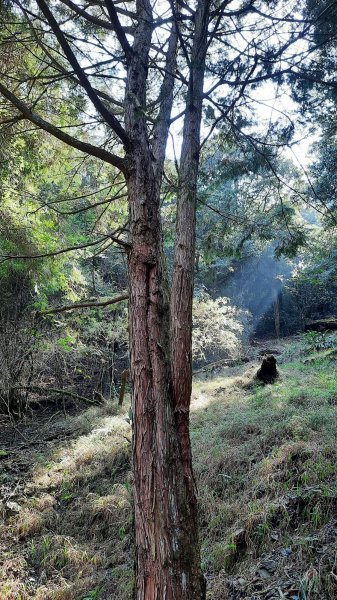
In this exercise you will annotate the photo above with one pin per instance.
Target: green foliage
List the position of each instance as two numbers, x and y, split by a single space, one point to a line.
92 595
319 340
40 183
219 329
243 202
66 343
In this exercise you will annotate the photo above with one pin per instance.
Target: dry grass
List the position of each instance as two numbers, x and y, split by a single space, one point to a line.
71 536
265 462
266 465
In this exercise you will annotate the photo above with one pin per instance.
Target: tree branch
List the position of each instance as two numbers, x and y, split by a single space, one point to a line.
98 304
70 74
83 13
98 104
76 211
124 245
56 253
44 390
85 147
115 22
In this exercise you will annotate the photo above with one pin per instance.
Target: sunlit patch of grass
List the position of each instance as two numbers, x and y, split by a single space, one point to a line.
104 448
265 460
75 528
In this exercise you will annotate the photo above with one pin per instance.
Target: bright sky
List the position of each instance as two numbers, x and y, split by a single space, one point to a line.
271 104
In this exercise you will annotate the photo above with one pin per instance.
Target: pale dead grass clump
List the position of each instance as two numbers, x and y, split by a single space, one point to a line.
13 589
29 522
247 380
44 502
39 514
62 561
106 518
285 455
66 590
13 571
114 508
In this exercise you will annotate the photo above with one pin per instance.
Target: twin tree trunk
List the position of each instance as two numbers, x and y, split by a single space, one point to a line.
160 324
166 518
167 547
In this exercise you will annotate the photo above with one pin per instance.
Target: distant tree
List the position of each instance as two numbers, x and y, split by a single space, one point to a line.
317 104
248 196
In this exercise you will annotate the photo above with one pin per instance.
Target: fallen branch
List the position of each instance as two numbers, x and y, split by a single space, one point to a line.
225 362
320 325
43 390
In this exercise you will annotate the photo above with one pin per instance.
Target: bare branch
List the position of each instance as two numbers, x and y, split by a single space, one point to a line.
63 392
95 304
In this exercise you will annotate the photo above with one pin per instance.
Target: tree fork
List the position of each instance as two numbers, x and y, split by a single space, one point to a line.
167 548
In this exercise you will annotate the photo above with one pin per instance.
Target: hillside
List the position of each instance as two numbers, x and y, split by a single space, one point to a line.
265 461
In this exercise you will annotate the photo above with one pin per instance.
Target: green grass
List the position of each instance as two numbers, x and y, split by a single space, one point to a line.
265 461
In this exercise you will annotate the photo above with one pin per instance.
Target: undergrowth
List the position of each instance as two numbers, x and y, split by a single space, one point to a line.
265 462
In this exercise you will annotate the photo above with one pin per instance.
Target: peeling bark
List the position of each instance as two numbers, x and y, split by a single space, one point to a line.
167 547
184 261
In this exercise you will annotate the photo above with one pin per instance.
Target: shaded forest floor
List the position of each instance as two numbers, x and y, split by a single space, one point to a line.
266 465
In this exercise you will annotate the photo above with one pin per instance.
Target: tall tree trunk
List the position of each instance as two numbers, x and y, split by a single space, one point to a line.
164 517
276 305
184 260
167 553
184 249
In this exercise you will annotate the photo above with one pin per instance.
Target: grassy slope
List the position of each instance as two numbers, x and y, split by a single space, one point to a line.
265 462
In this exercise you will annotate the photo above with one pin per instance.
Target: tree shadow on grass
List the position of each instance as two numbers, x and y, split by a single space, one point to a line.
265 463
67 516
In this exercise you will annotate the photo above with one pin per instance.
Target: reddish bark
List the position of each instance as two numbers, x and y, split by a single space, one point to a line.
184 252
167 555
167 548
